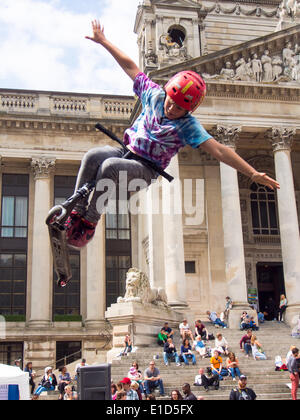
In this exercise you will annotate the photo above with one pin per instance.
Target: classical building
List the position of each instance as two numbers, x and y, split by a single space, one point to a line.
209 234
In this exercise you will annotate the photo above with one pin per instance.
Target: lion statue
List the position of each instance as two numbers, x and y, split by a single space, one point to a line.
138 290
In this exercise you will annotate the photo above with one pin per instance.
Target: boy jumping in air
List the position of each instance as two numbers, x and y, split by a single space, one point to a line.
165 125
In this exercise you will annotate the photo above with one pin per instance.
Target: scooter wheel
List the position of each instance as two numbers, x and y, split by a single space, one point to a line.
62 281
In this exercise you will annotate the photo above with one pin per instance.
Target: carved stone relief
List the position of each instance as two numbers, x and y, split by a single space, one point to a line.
282 67
237 9
288 9
172 52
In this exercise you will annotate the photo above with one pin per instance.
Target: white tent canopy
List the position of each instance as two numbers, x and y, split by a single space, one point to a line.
11 375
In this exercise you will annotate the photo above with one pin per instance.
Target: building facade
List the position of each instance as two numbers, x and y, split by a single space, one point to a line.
210 234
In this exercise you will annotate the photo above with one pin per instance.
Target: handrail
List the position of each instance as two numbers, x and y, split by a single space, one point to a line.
104 333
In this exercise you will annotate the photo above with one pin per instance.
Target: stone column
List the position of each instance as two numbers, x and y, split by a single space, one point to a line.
281 140
175 282
95 274
232 227
42 268
155 238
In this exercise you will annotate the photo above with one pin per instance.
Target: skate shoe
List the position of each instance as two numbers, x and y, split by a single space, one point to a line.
82 234
72 223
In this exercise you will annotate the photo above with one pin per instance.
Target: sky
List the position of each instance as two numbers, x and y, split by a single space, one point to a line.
43 45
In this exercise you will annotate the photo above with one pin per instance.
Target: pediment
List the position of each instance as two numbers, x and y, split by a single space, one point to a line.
271 61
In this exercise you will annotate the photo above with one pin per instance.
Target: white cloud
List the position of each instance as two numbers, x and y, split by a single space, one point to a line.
42 46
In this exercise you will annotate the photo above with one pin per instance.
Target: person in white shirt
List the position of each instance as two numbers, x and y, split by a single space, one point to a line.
221 344
185 330
79 366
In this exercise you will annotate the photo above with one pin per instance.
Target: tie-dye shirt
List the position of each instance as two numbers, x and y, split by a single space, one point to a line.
155 137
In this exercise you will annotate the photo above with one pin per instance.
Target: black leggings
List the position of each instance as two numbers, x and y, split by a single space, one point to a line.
280 313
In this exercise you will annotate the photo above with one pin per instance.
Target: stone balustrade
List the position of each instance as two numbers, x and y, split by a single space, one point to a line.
66 104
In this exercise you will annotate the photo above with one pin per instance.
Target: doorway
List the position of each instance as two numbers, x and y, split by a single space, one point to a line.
270 283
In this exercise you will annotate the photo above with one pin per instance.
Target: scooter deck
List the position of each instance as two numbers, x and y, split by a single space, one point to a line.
60 252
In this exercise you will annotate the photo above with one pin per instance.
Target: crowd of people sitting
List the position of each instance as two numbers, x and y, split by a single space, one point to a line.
66 384
196 343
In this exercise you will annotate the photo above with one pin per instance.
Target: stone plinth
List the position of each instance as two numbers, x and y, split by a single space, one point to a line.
142 322
234 319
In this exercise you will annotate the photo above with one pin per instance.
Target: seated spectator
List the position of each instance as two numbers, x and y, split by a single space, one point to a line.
206 381
256 348
232 365
78 367
252 324
260 317
135 374
245 321
162 338
216 363
32 375
245 343
228 306
176 396
119 386
200 330
213 317
135 386
121 395
221 344
150 397
200 347
186 352
282 308
185 330
64 379
296 329
170 352
48 383
242 392
127 346
114 390
153 380
70 394
188 395
131 394
167 330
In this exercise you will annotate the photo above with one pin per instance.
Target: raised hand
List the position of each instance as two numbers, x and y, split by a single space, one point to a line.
98 33
264 179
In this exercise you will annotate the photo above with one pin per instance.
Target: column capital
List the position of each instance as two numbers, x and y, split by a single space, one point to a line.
42 166
281 138
226 134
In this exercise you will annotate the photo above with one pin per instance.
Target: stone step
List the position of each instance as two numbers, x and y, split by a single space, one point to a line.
221 397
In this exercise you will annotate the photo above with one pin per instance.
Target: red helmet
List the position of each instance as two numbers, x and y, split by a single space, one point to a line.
187 89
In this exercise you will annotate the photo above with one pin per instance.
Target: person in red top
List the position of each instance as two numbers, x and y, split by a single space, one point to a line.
201 330
246 340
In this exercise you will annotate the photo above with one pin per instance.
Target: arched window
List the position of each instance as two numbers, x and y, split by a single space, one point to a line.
177 34
264 210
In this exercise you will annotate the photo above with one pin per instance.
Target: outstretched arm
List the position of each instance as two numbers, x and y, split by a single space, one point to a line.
230 157
127 64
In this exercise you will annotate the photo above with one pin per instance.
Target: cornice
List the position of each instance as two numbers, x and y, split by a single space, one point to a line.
71 127
283 92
